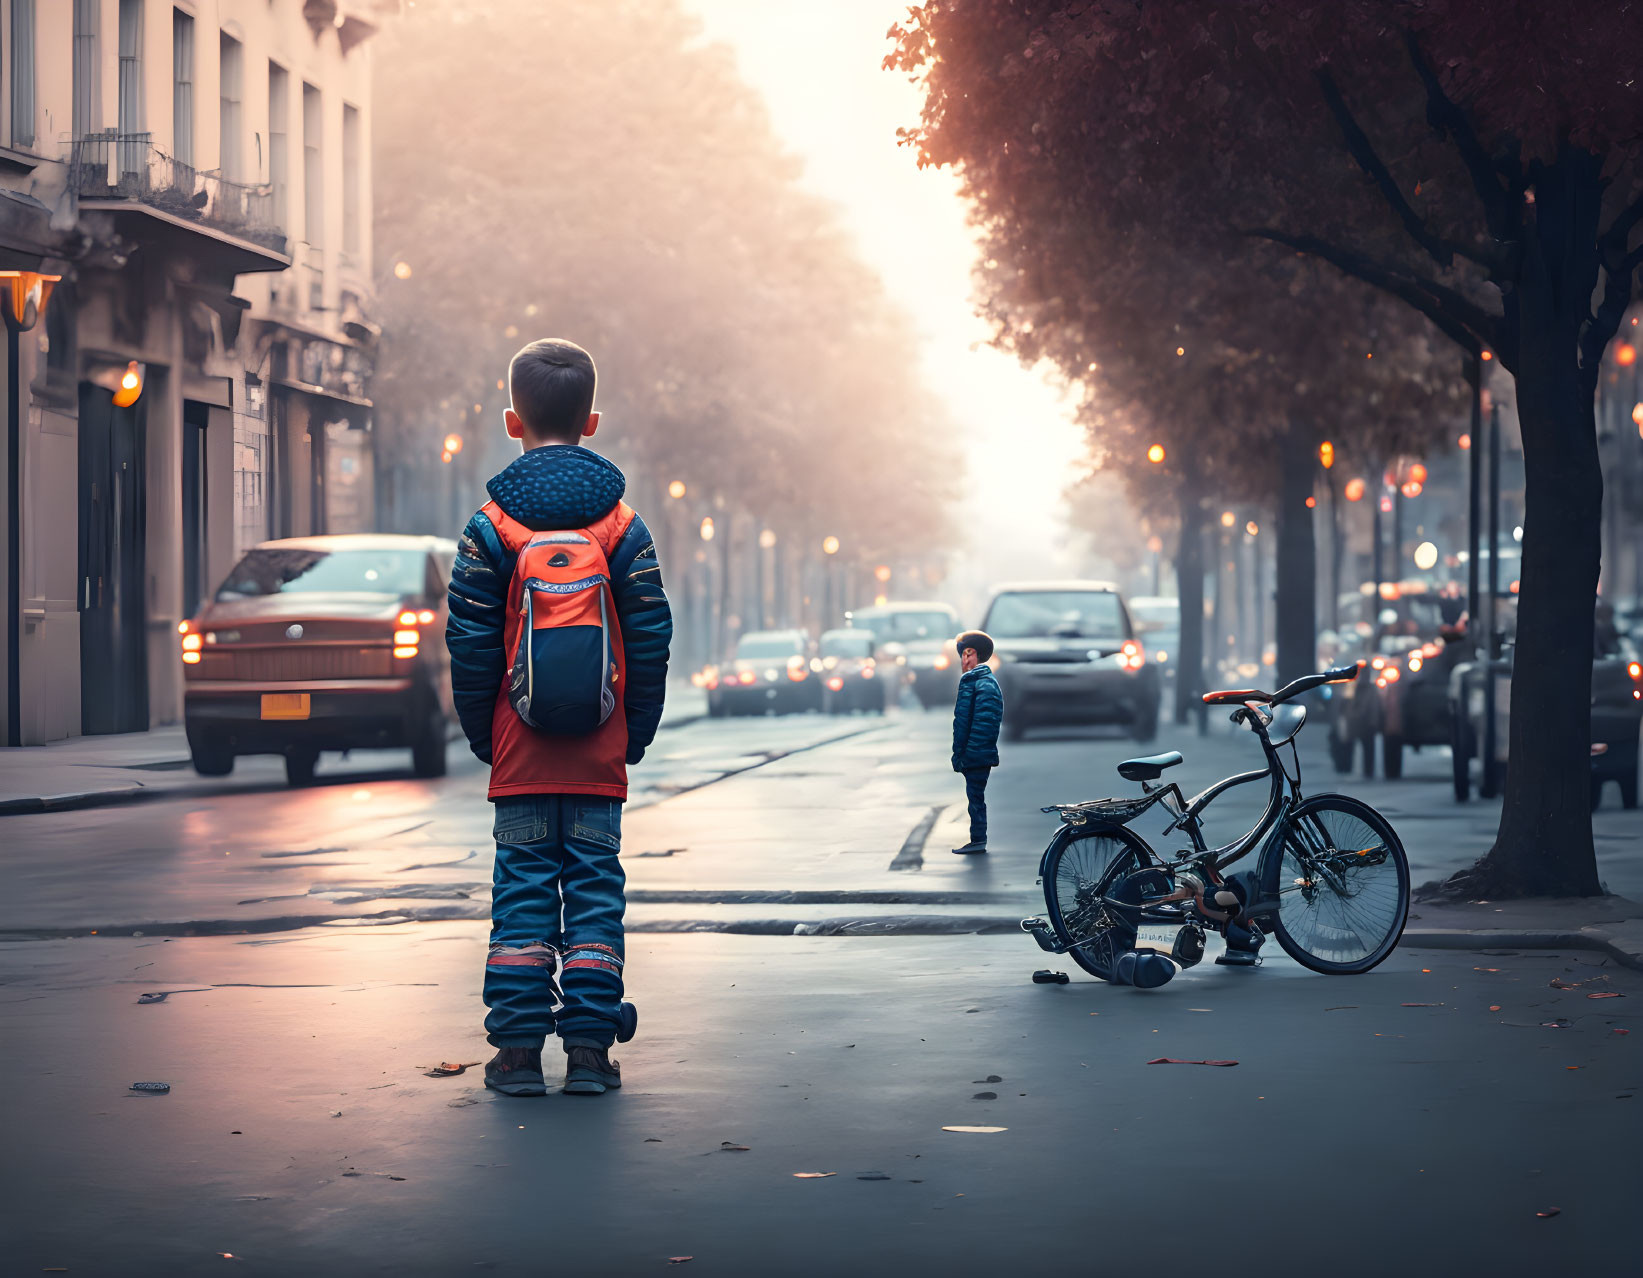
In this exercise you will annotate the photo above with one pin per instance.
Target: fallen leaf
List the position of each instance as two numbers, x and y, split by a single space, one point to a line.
1607 994
1344 1007
1494 1007
730 1147
978 1130
153 998
445 1069
1549 1213
1555 1024
985 1096
653 1140
1621 1031
812 1175
679 1260
1170 1060
1558 983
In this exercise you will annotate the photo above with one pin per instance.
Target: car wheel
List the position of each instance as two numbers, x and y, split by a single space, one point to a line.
428 754
299 766
210 757
1392 757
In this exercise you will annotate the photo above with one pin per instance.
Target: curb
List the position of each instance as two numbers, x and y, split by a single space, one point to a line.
72 801
1594 939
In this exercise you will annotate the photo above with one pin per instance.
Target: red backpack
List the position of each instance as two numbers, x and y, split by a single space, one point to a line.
565 658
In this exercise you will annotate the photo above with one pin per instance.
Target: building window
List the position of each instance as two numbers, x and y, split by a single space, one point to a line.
232 76
133 151
22 73
88 100
182 87
351 161
279 159
313 173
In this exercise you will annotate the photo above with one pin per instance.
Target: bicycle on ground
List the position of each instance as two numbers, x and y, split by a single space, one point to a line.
1331 880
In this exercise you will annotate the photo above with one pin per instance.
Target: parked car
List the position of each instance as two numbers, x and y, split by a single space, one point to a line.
1067 653
851 676
771 670
322 643
1617 719
1402 697
916 637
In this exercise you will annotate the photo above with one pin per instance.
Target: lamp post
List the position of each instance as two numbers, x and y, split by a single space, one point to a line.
830 548
27 293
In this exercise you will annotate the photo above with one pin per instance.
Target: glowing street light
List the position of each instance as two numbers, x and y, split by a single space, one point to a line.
453 443
1326 454
130 389
707 528
1155 454
1426 556
1464 443
1411 488
1252 528
1228 519
676 489
767 539
830 545
1625 355
402 270
1354 489
882 572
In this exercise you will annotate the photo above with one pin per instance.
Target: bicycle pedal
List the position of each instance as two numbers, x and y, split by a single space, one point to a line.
1039 930
1046 977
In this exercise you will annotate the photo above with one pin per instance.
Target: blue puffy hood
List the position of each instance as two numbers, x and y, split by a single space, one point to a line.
558 486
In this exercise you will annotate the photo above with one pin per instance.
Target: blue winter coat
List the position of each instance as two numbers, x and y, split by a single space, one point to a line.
977 714
558 486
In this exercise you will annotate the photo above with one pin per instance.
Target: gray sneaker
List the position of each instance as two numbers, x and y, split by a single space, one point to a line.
516 1071
589 1070
971 849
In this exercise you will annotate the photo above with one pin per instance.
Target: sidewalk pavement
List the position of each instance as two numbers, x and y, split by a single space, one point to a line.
1610 925
85 772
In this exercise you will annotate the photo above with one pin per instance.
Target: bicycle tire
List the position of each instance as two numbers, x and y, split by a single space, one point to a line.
1307 923
1089 857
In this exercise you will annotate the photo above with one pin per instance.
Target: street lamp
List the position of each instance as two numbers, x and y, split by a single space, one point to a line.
1228 519
1326 454
28 292
1354 489
830 545
707 528
130 388
1252 528
1155 454
676 489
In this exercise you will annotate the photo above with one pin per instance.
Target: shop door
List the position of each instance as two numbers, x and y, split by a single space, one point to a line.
113 626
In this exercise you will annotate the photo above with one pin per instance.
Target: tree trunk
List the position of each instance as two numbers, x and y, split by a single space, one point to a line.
1544 845
1189 588
1297 571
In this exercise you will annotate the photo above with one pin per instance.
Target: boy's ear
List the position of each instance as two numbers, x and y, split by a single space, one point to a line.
593 425
516 427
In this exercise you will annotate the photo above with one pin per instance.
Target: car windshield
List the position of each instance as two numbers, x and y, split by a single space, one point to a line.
847 644
769 646
295 570
903 627
1156 614
1054 614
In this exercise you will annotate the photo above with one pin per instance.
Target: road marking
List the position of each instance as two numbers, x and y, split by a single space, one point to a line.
911 855
774 756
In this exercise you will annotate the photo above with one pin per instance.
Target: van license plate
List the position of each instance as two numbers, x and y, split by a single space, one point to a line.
285 705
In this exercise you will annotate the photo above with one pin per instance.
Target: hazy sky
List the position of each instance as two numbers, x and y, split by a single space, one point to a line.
817 63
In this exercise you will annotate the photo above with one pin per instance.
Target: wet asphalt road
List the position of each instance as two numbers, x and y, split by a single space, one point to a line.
324 946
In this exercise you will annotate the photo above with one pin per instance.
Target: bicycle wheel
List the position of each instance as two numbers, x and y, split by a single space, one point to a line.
1076 875
1342 883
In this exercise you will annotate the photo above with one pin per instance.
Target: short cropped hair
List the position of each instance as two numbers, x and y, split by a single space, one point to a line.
551 383
980 640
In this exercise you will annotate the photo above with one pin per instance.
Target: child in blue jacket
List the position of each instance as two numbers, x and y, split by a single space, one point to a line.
977 714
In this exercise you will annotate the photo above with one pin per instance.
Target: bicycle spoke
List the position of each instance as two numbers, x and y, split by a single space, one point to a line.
1336 904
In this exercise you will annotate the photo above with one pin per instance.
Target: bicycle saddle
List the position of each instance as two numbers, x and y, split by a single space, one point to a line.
1149 767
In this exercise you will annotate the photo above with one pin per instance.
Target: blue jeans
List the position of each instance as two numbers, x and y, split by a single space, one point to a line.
556 896
975 790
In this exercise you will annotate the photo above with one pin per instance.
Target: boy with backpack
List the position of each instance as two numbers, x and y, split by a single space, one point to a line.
977 713
558 635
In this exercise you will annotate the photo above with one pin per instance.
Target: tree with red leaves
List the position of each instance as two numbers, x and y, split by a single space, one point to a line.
1478 163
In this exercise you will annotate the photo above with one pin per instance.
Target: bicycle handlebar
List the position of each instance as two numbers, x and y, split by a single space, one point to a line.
1238 696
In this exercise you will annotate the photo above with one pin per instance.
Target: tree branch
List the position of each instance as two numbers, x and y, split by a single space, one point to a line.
1442 251
1450 121
1462 320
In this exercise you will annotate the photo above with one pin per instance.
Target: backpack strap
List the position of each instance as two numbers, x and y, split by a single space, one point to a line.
515 536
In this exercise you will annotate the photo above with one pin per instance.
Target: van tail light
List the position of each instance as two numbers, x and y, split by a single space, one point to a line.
1132 656
408 618
1635 669
835 683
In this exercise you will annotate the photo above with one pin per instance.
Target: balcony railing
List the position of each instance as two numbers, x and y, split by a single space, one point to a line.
127 166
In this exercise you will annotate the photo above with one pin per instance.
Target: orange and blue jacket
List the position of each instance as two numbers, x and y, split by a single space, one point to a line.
560 486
